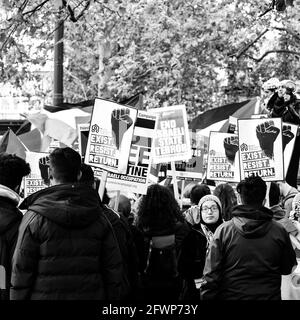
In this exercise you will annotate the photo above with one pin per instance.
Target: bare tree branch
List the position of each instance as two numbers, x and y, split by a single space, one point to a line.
38 7
23 5
273 51
14 28
265 12
75 19
294 34
243 50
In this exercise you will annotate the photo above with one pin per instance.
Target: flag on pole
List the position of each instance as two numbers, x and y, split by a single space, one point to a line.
217 119
10 143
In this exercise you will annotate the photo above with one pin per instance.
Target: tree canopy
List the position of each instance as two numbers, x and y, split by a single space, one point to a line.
201 53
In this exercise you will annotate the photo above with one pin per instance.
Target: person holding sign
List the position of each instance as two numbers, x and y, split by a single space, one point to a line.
285 105
12 170
66 249
249 253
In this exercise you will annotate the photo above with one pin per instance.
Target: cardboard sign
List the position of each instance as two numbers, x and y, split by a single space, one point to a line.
172 139
223 158
140 158
260 146
34 181
110 136
289 134
83 134
194 168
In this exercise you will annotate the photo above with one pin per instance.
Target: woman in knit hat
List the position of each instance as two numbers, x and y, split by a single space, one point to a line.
197 192
194 246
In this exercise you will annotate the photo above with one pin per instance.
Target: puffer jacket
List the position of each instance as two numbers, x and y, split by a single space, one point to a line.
247 257
10 219
66 249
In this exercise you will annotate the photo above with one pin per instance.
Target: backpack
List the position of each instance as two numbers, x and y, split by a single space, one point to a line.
162 258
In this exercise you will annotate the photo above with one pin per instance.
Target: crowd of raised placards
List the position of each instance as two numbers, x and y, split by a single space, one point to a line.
232 241
64 242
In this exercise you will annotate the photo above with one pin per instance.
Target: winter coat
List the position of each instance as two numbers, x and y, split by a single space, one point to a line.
156 288
247 257
192 256
127 249
10 219
66 249
191 261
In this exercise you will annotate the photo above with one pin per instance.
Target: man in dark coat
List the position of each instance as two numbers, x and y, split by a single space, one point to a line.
12 170
66 248
123 236
249 253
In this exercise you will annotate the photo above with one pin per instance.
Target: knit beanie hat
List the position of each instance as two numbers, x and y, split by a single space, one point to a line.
211 197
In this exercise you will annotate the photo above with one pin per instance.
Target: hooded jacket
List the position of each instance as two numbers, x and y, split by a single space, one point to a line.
66 248
247 257
10 219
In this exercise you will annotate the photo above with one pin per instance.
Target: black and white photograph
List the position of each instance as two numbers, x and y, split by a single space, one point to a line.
95 95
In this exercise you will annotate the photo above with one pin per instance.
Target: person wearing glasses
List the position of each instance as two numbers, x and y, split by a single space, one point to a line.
195 245
249 253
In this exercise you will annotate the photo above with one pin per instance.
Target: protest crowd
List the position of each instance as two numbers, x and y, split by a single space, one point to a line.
237 237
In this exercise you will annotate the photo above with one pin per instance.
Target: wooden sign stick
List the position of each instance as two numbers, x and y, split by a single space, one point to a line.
175 186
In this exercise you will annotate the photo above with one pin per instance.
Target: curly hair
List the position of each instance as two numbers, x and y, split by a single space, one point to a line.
227 196
158 209
12 170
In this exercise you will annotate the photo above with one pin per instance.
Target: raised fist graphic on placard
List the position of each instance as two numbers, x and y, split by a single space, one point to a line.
231 146
287 135
44 169
120 123
266 134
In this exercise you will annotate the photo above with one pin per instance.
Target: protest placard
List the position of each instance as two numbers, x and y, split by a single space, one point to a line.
39 171
83 134
223 159
195 167
289 134
232 125
110 136
259 116
172 139
154 175
260 146
140 158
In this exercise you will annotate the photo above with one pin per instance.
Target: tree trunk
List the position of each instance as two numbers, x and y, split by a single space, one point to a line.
105 71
